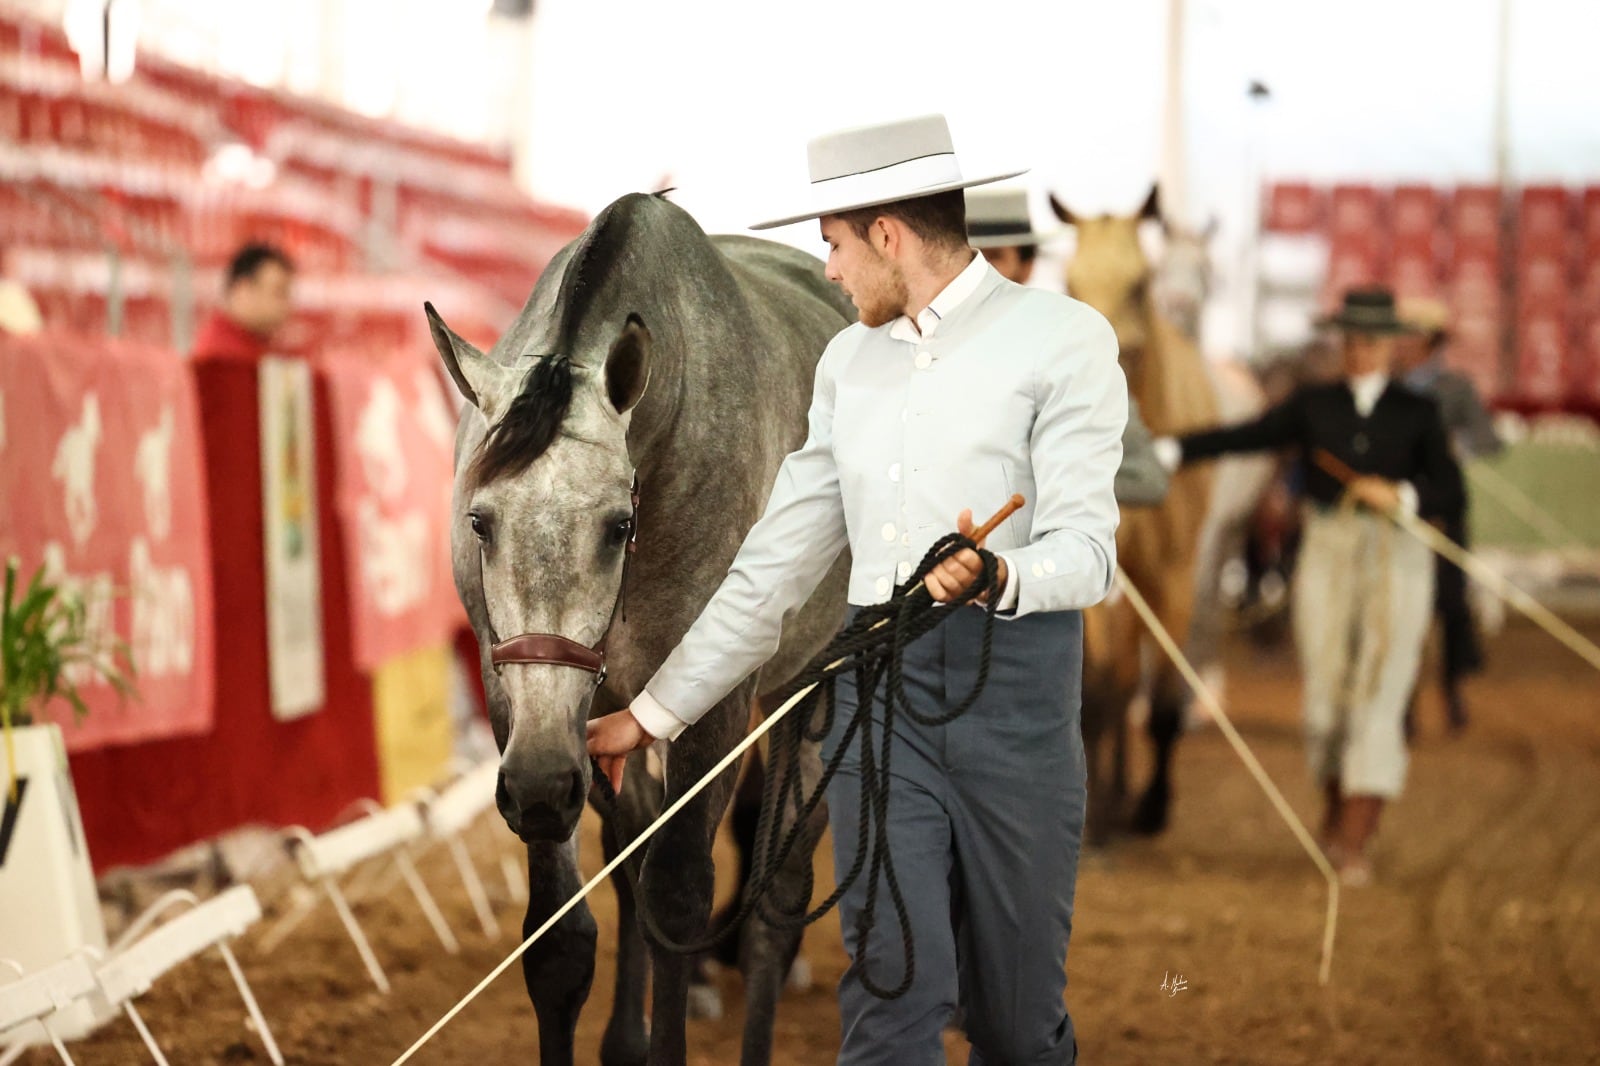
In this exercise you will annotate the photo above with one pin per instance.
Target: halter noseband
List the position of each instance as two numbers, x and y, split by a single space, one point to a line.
552 649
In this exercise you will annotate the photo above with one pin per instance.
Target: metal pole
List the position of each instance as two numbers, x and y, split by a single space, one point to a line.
1173 171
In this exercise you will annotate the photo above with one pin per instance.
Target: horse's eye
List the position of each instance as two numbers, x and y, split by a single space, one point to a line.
619 533
480 528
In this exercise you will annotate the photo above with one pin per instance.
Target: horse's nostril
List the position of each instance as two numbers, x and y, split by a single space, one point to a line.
575 794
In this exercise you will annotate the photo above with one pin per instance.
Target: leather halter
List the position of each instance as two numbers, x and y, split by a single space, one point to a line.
552 649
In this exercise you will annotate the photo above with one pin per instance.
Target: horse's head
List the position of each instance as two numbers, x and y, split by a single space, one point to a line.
1110 272
1183 280
541 522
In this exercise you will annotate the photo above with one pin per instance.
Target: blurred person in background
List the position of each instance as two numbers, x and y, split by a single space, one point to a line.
1419 360
1000 226
1363 589
256 302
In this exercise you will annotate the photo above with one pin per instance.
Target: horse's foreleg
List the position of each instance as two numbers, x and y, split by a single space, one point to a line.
766 951
626 1043
1103 716
1168 697
560 967
677 883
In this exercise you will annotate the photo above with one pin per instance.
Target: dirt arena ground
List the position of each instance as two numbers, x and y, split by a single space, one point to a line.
1479 944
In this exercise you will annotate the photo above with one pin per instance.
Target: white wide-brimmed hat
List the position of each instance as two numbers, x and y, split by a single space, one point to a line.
882 164
999 218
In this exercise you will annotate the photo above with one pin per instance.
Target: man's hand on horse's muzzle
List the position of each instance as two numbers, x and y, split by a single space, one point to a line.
956 574
612 738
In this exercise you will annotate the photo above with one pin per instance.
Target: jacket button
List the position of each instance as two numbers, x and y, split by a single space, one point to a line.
903 571
924 360
889 532
1038 571
883 586
1049 566
894 472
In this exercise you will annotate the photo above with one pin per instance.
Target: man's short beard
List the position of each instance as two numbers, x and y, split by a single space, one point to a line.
886 301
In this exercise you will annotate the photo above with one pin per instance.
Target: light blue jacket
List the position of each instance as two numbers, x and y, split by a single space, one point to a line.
996 389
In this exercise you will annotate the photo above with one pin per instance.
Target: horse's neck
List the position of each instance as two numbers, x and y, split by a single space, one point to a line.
1170 381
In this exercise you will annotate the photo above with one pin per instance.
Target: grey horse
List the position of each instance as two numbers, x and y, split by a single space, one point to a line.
647 348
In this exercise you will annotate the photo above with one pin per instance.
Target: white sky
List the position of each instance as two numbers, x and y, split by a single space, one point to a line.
722 94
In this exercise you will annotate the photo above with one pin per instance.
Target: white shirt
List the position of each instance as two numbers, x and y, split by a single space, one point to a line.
994 389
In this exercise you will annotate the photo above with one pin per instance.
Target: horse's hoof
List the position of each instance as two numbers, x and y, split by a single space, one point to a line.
799 975
632 1049
705 1002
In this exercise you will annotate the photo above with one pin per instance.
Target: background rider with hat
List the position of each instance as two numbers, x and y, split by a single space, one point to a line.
1363 588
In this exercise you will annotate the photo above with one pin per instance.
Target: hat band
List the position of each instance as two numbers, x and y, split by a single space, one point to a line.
1007 228
898 181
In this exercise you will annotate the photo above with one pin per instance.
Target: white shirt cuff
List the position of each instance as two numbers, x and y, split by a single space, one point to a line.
1409 501
1169 453
656 719
1009 594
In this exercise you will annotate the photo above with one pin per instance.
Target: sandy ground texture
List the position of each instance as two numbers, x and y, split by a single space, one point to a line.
1480 943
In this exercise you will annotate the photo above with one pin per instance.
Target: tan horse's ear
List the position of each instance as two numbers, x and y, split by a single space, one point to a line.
1062 211
1151 211
628 366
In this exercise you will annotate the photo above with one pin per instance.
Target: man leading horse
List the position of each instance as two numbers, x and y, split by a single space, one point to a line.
955 390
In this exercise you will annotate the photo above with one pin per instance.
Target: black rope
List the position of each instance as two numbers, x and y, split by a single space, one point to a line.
872 648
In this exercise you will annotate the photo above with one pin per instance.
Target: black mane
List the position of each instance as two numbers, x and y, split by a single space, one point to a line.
533 420
529 425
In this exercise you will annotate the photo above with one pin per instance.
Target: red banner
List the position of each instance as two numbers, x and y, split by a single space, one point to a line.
102 473
393 445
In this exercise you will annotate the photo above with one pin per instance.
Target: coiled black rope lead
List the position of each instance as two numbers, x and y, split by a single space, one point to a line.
872 649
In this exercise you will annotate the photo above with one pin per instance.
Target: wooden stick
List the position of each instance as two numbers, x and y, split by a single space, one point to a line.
1332 464
1440 544
1012 506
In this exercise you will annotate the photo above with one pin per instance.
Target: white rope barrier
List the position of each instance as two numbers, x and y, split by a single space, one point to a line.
1485 575
1522 507
594 882
1208 698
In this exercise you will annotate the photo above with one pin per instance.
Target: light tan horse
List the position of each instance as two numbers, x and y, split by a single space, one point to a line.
1157 546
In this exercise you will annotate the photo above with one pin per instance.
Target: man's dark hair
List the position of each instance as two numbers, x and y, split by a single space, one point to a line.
1028 252
249 260
940 219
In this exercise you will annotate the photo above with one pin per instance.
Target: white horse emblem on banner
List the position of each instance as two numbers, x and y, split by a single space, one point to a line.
395 542
74 468
152 465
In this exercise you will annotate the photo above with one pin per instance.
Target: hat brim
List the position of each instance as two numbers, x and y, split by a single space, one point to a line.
1346 324
823 209
1016 240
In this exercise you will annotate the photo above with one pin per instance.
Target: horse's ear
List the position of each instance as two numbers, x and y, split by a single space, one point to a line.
1062 211
628 366
474 373
1151 211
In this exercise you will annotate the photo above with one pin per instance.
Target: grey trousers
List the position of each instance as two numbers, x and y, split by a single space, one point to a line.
985 819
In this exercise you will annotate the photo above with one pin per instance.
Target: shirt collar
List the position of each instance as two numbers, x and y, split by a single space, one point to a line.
952 296
1367 388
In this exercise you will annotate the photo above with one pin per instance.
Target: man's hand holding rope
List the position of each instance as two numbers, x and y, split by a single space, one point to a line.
613 737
